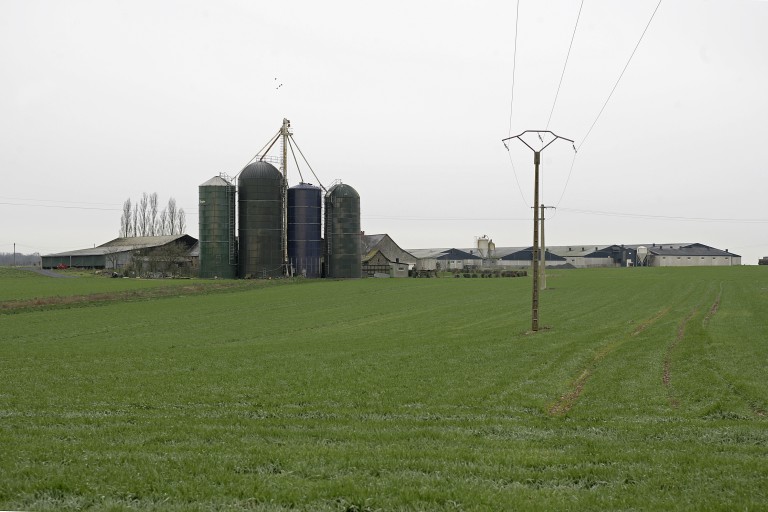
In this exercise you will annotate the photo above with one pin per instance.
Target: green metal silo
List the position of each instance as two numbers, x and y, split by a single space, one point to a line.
260 202
218 250
342 232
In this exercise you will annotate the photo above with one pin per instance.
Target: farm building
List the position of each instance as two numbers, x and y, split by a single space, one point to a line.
580 256
520 257
381 255
684 255
592 256
118 253
445 259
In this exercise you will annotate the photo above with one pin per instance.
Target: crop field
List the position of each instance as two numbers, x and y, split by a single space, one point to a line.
645 389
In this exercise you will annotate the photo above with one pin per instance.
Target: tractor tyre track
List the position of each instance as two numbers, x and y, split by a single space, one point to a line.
566 401
666 376
753 404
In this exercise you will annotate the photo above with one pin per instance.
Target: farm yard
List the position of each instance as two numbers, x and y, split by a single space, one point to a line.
645 389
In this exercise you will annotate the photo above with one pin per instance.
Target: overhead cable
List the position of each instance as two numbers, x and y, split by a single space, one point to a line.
620 75
512 103
615 85
663 217
63 206
565 65
514 65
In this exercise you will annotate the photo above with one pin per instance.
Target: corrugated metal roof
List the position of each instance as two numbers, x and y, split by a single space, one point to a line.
428 253
216 181
370 241
388 248
443 254
691 250
126 244
500 252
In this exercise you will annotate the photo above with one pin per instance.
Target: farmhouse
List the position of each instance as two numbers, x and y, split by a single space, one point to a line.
120 252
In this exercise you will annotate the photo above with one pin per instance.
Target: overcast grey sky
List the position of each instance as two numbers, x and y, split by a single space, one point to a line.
405 101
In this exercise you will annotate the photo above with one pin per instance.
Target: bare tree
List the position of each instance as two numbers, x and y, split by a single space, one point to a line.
153 231
162 223
182 221
142 226
142 219
125 219
173 218
134 222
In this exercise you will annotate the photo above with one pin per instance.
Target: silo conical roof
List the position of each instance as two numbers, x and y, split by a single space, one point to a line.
216 181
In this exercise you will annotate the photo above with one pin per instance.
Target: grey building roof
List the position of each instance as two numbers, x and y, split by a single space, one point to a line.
128 244
387 247
576 251
444 254
526 253
688 250
581 250
216 181
501 252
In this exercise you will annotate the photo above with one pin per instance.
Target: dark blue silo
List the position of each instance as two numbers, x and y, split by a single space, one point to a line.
305 243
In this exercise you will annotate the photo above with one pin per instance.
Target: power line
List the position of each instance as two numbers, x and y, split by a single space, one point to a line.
63 206
573 36
446 219
514 65
567 180
620 75
615 85
51 200
512 103
514 172
663 217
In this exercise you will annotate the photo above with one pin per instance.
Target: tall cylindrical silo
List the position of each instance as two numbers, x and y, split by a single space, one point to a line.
342 232
305 242
218 252
260 189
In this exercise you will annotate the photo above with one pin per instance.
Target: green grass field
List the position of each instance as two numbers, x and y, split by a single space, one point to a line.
645 390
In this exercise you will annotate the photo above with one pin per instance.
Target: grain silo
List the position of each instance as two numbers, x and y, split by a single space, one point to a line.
260 215
305 244
342 232
218 250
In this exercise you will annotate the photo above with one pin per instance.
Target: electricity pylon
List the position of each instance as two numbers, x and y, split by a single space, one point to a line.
535 262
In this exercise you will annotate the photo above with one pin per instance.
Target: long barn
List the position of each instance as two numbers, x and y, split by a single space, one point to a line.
117 253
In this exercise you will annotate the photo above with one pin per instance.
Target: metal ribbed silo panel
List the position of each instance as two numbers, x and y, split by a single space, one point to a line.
342 232
305 243
218 255
260 217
